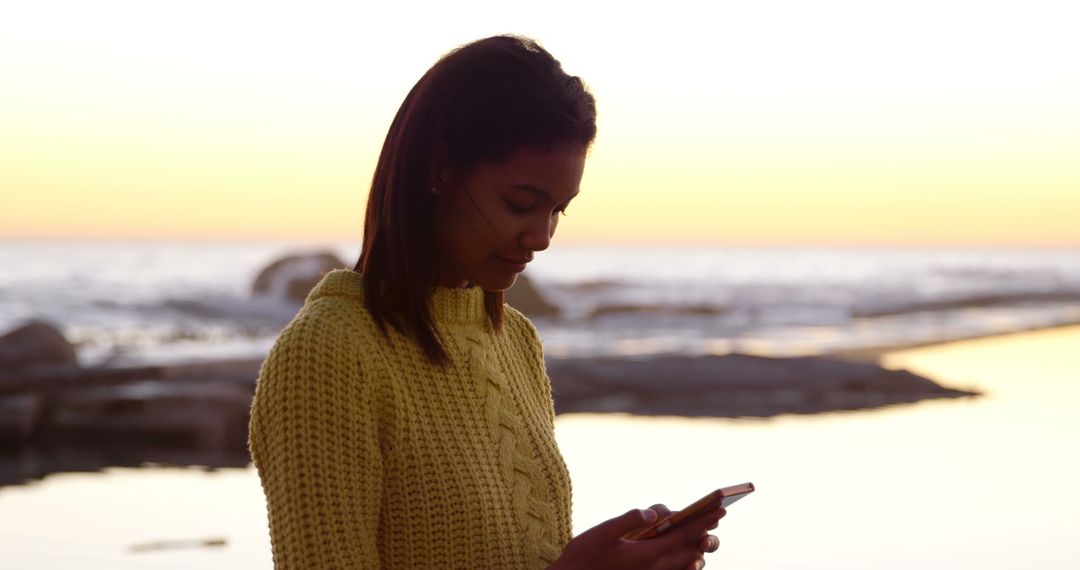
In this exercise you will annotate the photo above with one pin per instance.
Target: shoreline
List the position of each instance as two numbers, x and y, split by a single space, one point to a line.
876 353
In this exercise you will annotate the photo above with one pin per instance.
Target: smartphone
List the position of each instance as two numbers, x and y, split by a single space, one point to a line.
714 500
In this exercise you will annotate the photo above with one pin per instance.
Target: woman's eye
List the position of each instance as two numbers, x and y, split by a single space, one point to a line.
526 208
518 208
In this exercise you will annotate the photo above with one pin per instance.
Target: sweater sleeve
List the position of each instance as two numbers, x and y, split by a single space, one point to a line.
314 438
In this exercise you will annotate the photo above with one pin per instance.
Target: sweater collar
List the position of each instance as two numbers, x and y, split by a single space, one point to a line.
454 305
449 305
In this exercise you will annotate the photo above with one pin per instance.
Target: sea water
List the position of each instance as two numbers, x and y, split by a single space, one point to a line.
153 302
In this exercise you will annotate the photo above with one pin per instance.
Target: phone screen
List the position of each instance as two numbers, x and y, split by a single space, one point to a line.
728 499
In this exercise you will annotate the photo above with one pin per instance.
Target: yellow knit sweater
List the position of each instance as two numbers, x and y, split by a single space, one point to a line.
372 457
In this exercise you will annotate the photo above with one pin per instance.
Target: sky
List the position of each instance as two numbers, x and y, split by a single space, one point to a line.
945 123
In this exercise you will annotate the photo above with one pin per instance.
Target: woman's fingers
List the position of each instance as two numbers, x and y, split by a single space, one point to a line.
679 547
620 526
709 543
690 531
661 510
691 556
685 557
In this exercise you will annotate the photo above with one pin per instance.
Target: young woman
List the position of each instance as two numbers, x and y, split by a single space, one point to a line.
404 418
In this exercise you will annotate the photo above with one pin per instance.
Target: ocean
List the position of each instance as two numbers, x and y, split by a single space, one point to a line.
127 303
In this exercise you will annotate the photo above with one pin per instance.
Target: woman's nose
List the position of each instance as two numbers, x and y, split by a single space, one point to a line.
537 235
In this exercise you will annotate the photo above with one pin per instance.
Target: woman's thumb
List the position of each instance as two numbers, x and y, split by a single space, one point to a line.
634 519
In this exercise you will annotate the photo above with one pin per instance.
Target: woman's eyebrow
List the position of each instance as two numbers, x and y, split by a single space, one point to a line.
539 191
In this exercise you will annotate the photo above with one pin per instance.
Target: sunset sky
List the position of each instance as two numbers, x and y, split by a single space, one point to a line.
854 122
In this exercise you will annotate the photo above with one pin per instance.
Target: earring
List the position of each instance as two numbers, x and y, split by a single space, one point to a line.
434 190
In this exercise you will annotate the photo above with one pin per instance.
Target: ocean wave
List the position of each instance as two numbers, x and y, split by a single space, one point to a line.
143 299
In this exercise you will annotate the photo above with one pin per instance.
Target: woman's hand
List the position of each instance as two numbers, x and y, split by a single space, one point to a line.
603 546
708 543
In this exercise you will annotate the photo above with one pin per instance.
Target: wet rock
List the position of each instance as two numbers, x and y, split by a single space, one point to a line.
35 343
292 277
186 413
525 297
197 413
735 385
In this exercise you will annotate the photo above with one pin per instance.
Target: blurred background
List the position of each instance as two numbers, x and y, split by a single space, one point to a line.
847 232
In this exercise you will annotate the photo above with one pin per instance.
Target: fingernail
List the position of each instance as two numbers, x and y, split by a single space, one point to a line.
649 515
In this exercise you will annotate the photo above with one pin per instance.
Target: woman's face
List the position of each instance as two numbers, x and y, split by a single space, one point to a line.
491 220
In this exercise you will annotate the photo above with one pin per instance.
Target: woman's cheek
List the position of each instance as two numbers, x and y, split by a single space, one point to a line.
508 226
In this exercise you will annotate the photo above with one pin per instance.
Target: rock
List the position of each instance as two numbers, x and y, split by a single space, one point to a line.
732 386
292 277
186 414
35 343
525 297
197 413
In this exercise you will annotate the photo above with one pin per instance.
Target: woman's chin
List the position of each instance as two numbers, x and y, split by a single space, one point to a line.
497 282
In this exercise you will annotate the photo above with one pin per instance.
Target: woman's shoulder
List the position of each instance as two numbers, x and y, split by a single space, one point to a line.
518 324
337 303
333 319
323 347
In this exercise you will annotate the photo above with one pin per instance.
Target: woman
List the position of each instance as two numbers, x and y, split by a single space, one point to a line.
404 419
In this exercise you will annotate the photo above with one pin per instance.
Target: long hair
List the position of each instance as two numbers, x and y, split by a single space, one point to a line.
483 101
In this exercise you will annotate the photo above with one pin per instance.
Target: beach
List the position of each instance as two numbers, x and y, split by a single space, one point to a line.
942 484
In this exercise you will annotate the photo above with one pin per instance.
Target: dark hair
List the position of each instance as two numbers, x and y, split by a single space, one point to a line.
483 101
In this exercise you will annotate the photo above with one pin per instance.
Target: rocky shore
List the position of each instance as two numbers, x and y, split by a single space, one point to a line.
197 414
58 416
734 385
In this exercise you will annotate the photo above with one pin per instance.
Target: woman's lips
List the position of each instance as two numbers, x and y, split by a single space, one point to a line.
513 266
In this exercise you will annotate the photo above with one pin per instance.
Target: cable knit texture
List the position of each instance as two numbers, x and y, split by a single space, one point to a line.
372 457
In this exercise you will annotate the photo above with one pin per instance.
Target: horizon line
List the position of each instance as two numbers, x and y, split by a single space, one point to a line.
315 241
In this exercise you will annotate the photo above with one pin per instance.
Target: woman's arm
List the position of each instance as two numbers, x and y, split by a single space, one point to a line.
314 439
